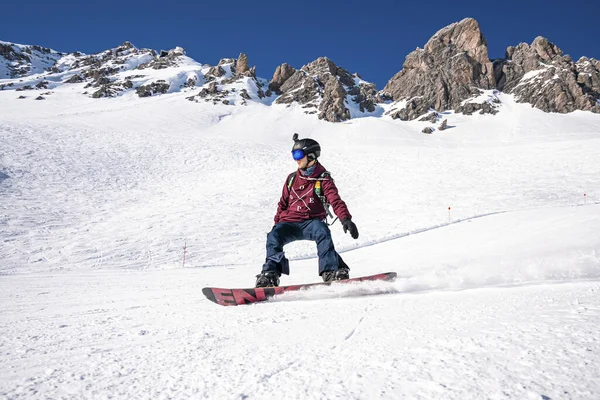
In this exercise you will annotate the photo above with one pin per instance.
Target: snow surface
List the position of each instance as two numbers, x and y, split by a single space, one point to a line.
497 297
486 96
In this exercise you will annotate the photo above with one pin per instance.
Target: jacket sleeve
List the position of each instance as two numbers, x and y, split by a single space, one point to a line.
283 203
333 197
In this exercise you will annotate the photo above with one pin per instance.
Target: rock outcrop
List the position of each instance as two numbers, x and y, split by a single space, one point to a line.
158 87
20 60
235 67
541 75
323 88
444 125
453 67
241 66
223 81
165 59
281 75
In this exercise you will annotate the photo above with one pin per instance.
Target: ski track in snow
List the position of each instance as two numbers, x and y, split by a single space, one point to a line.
98 198
414 232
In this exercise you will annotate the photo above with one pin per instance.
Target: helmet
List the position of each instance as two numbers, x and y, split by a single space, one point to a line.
310 147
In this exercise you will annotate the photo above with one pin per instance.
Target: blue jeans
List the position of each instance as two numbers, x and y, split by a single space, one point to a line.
288 232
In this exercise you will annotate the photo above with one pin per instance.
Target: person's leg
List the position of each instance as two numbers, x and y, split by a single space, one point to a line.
276 263
318 231
281 234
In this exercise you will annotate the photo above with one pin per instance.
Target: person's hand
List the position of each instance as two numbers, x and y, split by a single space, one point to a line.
350 226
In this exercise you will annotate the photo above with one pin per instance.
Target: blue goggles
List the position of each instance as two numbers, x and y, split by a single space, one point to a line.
298 154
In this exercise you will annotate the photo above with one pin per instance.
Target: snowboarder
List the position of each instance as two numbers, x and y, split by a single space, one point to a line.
301 215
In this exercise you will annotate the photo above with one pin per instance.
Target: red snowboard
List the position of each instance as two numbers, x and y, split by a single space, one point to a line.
235 297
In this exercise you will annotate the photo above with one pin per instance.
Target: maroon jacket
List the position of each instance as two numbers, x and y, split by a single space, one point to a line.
300 203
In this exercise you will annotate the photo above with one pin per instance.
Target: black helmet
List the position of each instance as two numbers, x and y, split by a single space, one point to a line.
310 147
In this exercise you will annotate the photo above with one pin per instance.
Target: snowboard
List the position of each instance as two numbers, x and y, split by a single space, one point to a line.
236 297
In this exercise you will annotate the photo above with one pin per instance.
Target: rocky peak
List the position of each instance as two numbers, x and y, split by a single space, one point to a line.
127 45
541 75
282 74
525 58
242 64
238 67
464 36
324 88
321 66
545 50
453 67
242 69
165 59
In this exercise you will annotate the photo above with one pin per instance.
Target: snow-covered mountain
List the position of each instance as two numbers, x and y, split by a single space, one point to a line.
124 69
18 60
452 72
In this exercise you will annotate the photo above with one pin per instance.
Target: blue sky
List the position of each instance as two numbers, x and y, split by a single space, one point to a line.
368 37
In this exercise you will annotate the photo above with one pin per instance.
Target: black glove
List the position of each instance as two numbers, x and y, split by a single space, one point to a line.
350 226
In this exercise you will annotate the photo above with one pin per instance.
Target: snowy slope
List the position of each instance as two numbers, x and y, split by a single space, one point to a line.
496 297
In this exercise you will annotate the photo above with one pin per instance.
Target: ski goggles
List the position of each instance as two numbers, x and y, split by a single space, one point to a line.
298 154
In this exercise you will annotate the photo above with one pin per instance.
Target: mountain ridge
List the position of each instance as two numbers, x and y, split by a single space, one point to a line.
451 72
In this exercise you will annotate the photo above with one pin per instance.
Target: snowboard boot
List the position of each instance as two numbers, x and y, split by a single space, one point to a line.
267 279
338 275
